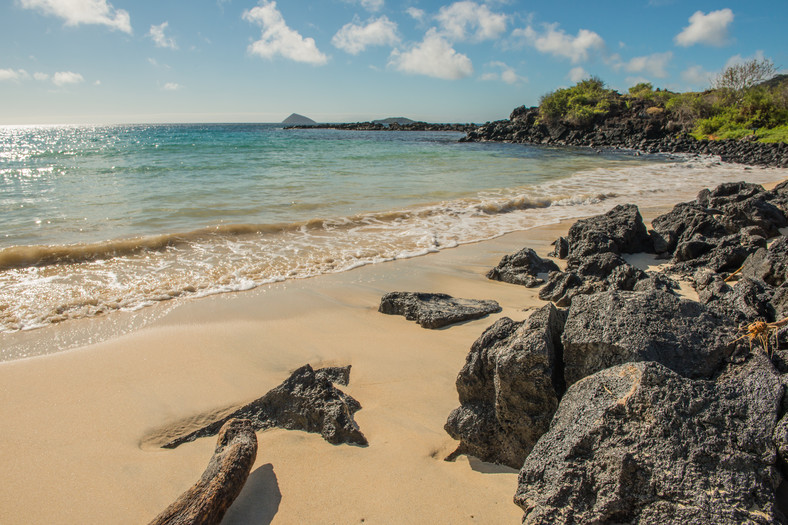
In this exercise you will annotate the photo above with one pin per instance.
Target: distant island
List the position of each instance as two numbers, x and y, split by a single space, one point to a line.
386 124
298 120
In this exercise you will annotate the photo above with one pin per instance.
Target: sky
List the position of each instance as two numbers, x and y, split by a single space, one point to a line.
148 61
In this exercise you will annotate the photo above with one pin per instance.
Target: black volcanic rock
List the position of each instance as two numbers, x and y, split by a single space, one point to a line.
769 265
638 443
522 268
609 328
435 310
509 388
307 400
621 230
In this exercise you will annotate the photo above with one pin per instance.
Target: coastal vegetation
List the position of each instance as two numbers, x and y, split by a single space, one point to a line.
745 100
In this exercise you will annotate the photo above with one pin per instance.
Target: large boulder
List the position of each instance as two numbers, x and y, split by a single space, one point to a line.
621 230
522 268
728 193
614 327
682 223
307 400
435 310
509 388
769 265
721 254
638 443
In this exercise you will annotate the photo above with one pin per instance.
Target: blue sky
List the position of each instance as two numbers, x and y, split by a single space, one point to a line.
118 61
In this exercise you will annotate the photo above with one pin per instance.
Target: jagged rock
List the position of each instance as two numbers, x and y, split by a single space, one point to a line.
562 286
756 211
727 193
435 310
720 254
509 388
781 438
522 268
206 502
769 265
683 222
780 301
307 400
638 443
744 302
621 230
597 273
609 328
560 248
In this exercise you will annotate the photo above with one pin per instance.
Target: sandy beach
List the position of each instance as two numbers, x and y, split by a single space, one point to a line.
82 428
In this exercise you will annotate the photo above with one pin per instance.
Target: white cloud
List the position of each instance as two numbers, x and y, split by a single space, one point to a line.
369 5
576 74
279 39
470 21
416 13
556 42
738 59
654 64
507 74
63 78
172 86
696 76
76 12
711 29
157 34
41 76
433 57
354 38
13 74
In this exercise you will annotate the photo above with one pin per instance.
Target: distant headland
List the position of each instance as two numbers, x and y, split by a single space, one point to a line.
298 120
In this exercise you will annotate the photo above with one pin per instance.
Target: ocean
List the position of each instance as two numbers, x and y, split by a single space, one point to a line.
107 218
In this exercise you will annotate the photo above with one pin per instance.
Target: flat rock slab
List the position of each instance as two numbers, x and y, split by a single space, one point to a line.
638 443
435 310
307 400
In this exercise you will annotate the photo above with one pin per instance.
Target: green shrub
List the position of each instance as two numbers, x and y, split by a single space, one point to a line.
578 105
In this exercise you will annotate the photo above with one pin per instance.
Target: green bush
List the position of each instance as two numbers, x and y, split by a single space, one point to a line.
578 105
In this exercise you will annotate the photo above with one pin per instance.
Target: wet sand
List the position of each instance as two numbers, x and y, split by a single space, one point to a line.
81 428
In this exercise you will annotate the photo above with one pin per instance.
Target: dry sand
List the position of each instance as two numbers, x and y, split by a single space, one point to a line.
80 428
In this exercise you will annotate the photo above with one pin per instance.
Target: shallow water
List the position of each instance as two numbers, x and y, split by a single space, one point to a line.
98 219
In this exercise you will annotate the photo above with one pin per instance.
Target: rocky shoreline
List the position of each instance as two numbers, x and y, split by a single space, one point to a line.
394 126
639 128
622 402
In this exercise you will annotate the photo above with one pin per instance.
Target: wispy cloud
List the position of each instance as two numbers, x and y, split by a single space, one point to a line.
355 37
435 57
710 29
576 74
697 77
557 42
416 13
654 64
159 38
64 78
76 12
369 5
470 21
279 39
506 74
172 86
13 74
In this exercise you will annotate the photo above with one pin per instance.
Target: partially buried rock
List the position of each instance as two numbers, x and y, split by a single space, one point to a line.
610 328
509 388
435 310
307 400
522 268
638 443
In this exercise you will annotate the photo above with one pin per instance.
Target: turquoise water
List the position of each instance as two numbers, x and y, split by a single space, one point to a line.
97 219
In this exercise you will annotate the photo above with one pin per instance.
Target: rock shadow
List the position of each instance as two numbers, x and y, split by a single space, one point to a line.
259 500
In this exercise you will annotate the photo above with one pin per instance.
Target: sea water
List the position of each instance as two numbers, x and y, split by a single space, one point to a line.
99 219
